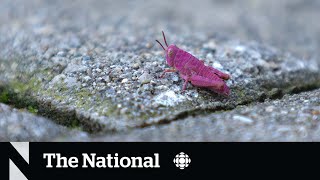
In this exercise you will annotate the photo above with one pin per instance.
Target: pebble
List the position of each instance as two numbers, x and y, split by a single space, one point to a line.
87 78
98 70
270 109
217 65
243 119
145 78
62 53
123 110
146 87
106 78
124 81
210 45
240 48
135 66
86 58
169 98
149 45
174 78
162 87
99 79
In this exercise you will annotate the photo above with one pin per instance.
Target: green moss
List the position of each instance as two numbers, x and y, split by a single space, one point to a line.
275 93
83 93
19 87
32 110
111 109
240 95
147 115
75 124
4 96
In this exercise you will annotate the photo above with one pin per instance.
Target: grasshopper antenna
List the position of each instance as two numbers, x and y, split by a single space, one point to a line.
164 37
161 45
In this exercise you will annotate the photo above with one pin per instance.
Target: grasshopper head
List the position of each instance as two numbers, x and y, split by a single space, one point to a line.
171 52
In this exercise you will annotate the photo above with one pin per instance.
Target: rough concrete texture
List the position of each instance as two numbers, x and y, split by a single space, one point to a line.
21 125
293 118
95 65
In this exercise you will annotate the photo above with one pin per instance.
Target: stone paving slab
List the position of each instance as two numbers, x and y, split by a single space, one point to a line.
99 70
98 97
21 125
292 118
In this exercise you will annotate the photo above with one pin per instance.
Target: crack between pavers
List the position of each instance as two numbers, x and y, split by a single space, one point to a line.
64 117
209 110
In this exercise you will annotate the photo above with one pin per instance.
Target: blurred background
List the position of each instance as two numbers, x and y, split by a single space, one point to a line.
287 24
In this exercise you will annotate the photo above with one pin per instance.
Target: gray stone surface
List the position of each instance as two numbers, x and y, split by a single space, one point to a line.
293 118
95 65
20 125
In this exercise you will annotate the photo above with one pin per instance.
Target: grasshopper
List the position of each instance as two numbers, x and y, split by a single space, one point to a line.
193 70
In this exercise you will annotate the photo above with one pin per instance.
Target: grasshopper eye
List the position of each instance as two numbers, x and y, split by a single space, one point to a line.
170 53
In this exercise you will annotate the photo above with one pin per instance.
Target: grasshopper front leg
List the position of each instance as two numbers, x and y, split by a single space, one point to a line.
167 71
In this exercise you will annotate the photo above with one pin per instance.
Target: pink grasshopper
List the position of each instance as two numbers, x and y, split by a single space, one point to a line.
192 69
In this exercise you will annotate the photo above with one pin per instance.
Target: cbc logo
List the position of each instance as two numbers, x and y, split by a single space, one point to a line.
182 160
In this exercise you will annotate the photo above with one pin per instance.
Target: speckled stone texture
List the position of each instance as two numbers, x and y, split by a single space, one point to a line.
94 66
293 118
